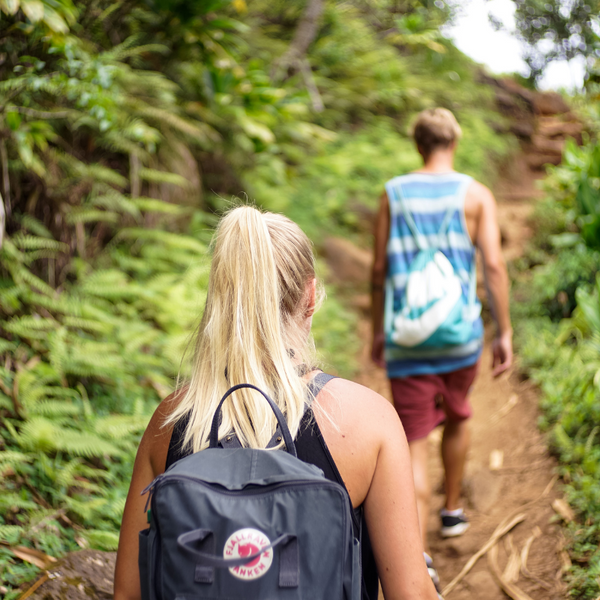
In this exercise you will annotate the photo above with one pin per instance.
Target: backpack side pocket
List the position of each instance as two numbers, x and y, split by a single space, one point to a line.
147 563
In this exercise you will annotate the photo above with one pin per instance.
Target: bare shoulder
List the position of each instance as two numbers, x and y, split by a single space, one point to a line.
162 412
359 406
478 195
359 427
156 439
358 396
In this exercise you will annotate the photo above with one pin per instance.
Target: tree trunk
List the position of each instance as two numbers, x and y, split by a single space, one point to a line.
2 220
5 179
303 37
134 175
311 86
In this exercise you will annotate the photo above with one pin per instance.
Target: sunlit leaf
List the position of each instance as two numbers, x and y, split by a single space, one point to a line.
33 9
10 7
54 20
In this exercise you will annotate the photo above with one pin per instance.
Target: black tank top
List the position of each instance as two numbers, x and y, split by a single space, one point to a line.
311 448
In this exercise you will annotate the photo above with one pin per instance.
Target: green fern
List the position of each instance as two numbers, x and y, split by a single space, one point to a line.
171 240
96 474
153 205
117 427
13 502
10 533
30 242
38 520
109 283
10 302
156 176
40 434
54 408
23 277
58 351
87 325
108 198
85 444
29 327
102 540
64 304
91 215
201 132
6 346
30 223
119 141
95 172
87 509
6 403
65 476
10 459
129 48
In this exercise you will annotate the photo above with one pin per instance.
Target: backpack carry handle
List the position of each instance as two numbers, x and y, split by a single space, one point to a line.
289 563
285 431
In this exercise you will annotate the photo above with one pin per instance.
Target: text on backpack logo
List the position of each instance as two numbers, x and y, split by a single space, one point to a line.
246 542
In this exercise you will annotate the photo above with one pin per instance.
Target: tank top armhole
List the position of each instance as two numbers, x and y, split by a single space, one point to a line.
312 448
463 218
176 450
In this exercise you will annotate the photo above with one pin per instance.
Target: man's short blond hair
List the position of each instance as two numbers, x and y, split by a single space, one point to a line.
435 128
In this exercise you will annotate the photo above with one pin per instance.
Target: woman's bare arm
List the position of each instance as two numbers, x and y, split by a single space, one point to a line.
366 439
391 515
149 462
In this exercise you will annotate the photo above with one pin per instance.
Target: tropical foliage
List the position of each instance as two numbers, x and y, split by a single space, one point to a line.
558 320
124 129
557 30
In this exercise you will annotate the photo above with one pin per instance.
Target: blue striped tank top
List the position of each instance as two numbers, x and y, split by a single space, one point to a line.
428 197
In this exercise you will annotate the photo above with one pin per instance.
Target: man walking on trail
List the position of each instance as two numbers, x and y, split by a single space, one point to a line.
427 328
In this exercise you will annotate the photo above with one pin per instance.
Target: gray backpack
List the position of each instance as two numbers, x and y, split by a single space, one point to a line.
233 523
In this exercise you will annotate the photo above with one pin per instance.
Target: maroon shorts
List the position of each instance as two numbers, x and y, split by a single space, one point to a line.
425 401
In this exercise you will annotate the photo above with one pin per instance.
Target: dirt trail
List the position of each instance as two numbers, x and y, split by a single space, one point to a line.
504 424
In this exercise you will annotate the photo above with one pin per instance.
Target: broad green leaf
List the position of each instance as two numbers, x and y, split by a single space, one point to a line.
257 130
13 119
54 20
33 9
10 7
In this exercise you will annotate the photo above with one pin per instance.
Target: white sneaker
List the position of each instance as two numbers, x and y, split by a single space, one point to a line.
454 522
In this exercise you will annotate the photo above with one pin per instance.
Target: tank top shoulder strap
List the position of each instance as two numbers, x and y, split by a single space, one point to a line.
318 382
176 451
310 443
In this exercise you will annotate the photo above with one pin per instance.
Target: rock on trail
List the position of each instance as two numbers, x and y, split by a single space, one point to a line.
83 575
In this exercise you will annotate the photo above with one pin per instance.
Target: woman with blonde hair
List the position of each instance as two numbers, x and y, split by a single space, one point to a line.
256 329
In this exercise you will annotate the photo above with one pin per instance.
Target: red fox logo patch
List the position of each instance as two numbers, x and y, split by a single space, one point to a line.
246 542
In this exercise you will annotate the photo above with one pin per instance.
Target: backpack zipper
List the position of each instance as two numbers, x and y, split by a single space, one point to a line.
254 489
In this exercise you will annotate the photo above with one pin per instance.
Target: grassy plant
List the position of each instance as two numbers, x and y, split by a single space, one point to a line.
558 323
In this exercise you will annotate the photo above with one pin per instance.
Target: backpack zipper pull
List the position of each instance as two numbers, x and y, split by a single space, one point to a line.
149 489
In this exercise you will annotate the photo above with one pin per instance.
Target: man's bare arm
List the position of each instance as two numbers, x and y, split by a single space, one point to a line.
378 274
496 277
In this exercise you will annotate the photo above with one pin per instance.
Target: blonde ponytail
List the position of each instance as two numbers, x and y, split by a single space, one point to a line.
251 331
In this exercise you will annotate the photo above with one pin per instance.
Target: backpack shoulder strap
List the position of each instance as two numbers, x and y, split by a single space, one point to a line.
315 386
393 189
317 383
